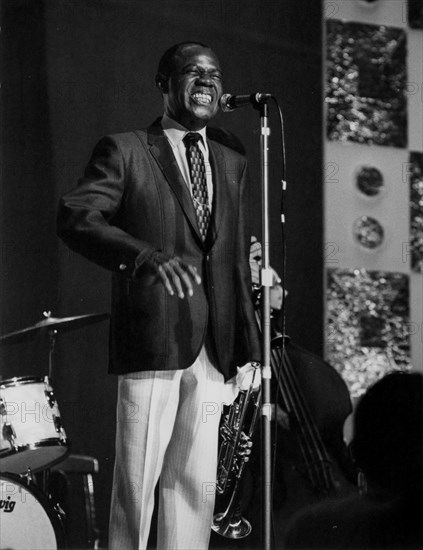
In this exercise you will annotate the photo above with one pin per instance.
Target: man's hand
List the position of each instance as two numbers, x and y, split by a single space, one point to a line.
242 381
255 260
255 264
248 374
176 275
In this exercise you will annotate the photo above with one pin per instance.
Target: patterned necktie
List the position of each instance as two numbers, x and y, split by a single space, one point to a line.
198 181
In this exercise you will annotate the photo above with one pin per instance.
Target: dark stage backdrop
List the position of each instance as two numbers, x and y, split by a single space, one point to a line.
76 70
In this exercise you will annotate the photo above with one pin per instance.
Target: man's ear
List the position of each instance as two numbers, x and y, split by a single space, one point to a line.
161 83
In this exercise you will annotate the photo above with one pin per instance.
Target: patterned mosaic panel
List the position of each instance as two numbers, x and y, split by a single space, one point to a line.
416 211
365 84
368 325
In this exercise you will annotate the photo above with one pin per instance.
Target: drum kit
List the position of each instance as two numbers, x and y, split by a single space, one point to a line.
32 440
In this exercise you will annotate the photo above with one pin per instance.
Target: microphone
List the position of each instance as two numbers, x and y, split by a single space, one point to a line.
229 102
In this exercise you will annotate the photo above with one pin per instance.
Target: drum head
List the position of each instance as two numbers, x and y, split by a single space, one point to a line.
31 426
28 521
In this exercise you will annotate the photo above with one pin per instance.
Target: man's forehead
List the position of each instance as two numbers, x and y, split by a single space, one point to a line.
193 54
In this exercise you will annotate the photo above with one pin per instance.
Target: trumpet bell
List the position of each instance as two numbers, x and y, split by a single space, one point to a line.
237 528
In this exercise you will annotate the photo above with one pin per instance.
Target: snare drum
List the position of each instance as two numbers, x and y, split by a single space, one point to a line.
28 520
32 435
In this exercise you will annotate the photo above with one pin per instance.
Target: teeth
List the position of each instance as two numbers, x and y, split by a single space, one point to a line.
203 99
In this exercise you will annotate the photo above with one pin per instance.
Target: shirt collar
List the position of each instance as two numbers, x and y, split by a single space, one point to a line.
176 132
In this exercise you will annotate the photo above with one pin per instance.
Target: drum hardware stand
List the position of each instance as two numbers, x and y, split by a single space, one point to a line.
45 481
52 334
9 434
52 342
28 476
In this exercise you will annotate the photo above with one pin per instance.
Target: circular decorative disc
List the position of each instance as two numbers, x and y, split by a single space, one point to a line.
368 232
369 181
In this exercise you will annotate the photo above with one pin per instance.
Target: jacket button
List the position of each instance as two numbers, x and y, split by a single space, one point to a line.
122 267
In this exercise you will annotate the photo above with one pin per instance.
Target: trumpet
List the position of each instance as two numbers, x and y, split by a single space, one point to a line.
236 430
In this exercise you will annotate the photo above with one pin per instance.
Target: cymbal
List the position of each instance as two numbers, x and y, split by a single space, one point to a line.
62 324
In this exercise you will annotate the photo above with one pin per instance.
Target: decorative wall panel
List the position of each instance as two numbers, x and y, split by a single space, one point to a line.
365 82
368 324
374 188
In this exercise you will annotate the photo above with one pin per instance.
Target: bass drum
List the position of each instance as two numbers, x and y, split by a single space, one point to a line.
28 520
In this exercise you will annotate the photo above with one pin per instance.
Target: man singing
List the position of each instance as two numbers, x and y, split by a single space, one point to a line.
166 210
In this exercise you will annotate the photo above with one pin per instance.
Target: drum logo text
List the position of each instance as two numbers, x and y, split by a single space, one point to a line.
7 505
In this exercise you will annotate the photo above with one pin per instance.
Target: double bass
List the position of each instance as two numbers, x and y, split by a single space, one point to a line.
311 460
312 403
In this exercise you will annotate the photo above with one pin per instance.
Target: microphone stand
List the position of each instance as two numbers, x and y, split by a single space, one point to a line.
266 371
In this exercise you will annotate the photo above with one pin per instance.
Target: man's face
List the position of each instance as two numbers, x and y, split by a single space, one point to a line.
194 87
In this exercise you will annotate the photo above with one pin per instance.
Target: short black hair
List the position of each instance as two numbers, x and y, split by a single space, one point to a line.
166 61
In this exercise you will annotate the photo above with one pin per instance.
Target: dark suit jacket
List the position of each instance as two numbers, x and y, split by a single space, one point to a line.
133 200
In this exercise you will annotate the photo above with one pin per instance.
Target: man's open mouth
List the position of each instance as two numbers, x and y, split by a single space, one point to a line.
201 98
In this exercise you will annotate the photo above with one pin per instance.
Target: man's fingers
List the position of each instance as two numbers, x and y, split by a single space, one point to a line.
255 251
276 278
247 375
194 273
184 276
173 272
165 280
177 276
255 273
187 273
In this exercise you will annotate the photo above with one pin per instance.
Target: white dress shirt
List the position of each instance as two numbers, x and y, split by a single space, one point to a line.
175 134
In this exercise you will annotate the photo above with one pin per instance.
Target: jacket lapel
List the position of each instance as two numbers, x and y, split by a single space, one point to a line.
162 152
220 191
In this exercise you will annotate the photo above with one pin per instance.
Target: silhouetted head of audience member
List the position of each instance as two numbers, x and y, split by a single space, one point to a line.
387 446
387 443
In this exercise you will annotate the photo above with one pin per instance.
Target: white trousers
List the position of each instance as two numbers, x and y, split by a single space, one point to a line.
167 426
